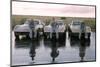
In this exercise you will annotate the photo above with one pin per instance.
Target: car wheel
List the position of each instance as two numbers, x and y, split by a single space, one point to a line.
44 34
53 36
16 37
32 34
89 34
69 34
82 35
64 36
27 36
37 35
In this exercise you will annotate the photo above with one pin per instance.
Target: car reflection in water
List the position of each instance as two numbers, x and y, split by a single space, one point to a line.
22 43
33 46
82 44
30 44
54 50
44 51
54 44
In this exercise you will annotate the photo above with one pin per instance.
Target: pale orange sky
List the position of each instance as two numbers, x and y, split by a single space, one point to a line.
43 9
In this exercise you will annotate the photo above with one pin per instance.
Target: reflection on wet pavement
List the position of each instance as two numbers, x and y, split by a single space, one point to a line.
41 51
82 44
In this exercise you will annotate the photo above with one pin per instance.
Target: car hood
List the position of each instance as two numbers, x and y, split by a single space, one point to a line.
39 26
75 28
23 27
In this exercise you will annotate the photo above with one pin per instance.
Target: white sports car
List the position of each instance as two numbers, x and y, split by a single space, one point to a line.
24 29
30 28
56 29
79 29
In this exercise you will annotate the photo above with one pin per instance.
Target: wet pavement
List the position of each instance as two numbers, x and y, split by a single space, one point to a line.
41 51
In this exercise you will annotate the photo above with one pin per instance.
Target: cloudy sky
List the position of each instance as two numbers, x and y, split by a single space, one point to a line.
44 9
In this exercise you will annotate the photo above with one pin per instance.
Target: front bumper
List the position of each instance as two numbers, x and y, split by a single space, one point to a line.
21 33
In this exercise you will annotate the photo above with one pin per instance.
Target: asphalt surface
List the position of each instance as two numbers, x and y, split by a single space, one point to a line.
27 52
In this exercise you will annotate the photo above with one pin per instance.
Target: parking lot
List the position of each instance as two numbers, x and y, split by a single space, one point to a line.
40 51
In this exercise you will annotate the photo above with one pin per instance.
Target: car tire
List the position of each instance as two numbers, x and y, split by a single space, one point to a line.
82 36
69 32
53 36
32 34
44 34
16 37
89 34
27 36
37 35
64 36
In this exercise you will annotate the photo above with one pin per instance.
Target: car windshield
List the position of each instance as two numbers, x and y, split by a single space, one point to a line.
60 23
36 22
26 22
76 23
29 22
